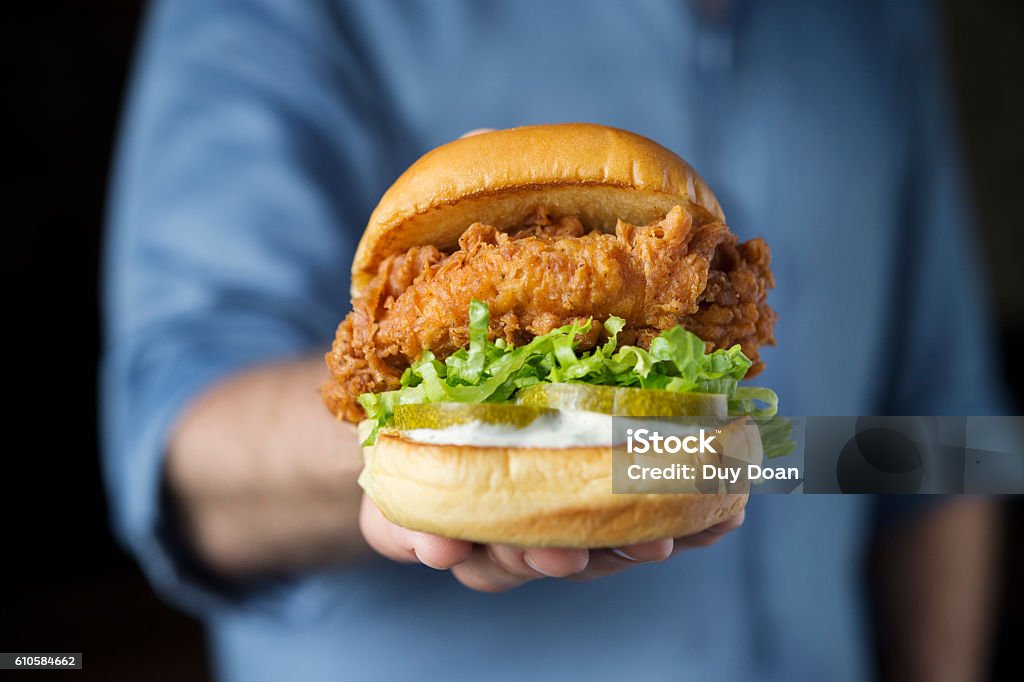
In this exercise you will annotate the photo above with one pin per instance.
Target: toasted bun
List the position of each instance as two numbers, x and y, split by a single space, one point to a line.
528 496
598 173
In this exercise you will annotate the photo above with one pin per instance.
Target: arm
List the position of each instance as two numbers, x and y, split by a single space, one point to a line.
249 151
936 582
936 569
264 477
945 360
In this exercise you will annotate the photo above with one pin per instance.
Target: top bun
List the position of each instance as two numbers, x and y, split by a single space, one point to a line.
598 173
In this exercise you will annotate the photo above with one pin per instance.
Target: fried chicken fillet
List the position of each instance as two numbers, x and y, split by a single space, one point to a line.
551 272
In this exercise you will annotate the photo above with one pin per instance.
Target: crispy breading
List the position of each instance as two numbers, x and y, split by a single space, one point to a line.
546 275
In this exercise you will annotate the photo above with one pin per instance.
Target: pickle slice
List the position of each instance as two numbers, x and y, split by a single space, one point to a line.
642 402
443 415
587 397
625 401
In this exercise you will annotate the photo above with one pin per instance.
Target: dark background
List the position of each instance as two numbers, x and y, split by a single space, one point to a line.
66 584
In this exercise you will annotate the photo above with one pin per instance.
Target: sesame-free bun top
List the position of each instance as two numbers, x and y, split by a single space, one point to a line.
598 173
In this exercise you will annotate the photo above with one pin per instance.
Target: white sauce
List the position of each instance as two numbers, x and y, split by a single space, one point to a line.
567 428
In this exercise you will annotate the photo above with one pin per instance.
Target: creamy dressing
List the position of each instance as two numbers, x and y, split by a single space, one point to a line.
565 429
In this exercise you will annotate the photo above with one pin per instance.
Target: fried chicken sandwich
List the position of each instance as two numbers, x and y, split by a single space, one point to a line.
514 289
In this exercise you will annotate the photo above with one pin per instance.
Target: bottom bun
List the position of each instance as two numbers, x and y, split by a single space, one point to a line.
526 496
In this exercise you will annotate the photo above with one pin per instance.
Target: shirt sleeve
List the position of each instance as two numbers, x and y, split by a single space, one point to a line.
250 143
944 360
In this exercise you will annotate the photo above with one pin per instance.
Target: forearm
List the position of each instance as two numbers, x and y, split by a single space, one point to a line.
264 478
936 588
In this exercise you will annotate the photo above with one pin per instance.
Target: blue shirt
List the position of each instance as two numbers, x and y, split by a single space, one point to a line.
257 138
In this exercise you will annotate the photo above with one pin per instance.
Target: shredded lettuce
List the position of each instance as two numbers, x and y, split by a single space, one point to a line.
493 371
776 436
744 399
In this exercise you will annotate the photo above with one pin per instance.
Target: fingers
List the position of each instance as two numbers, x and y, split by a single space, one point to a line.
605 562
481 573
710 536
610 561
556 563
496 568
655 550
487 568
409 546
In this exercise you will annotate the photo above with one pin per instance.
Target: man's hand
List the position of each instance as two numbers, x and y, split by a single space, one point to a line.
496 568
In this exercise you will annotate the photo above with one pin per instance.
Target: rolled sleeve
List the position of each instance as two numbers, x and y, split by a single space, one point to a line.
945 360
944 357
145 393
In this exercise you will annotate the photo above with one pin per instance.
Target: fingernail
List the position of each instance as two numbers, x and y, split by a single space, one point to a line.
618 552
426 563
419 557
529 562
